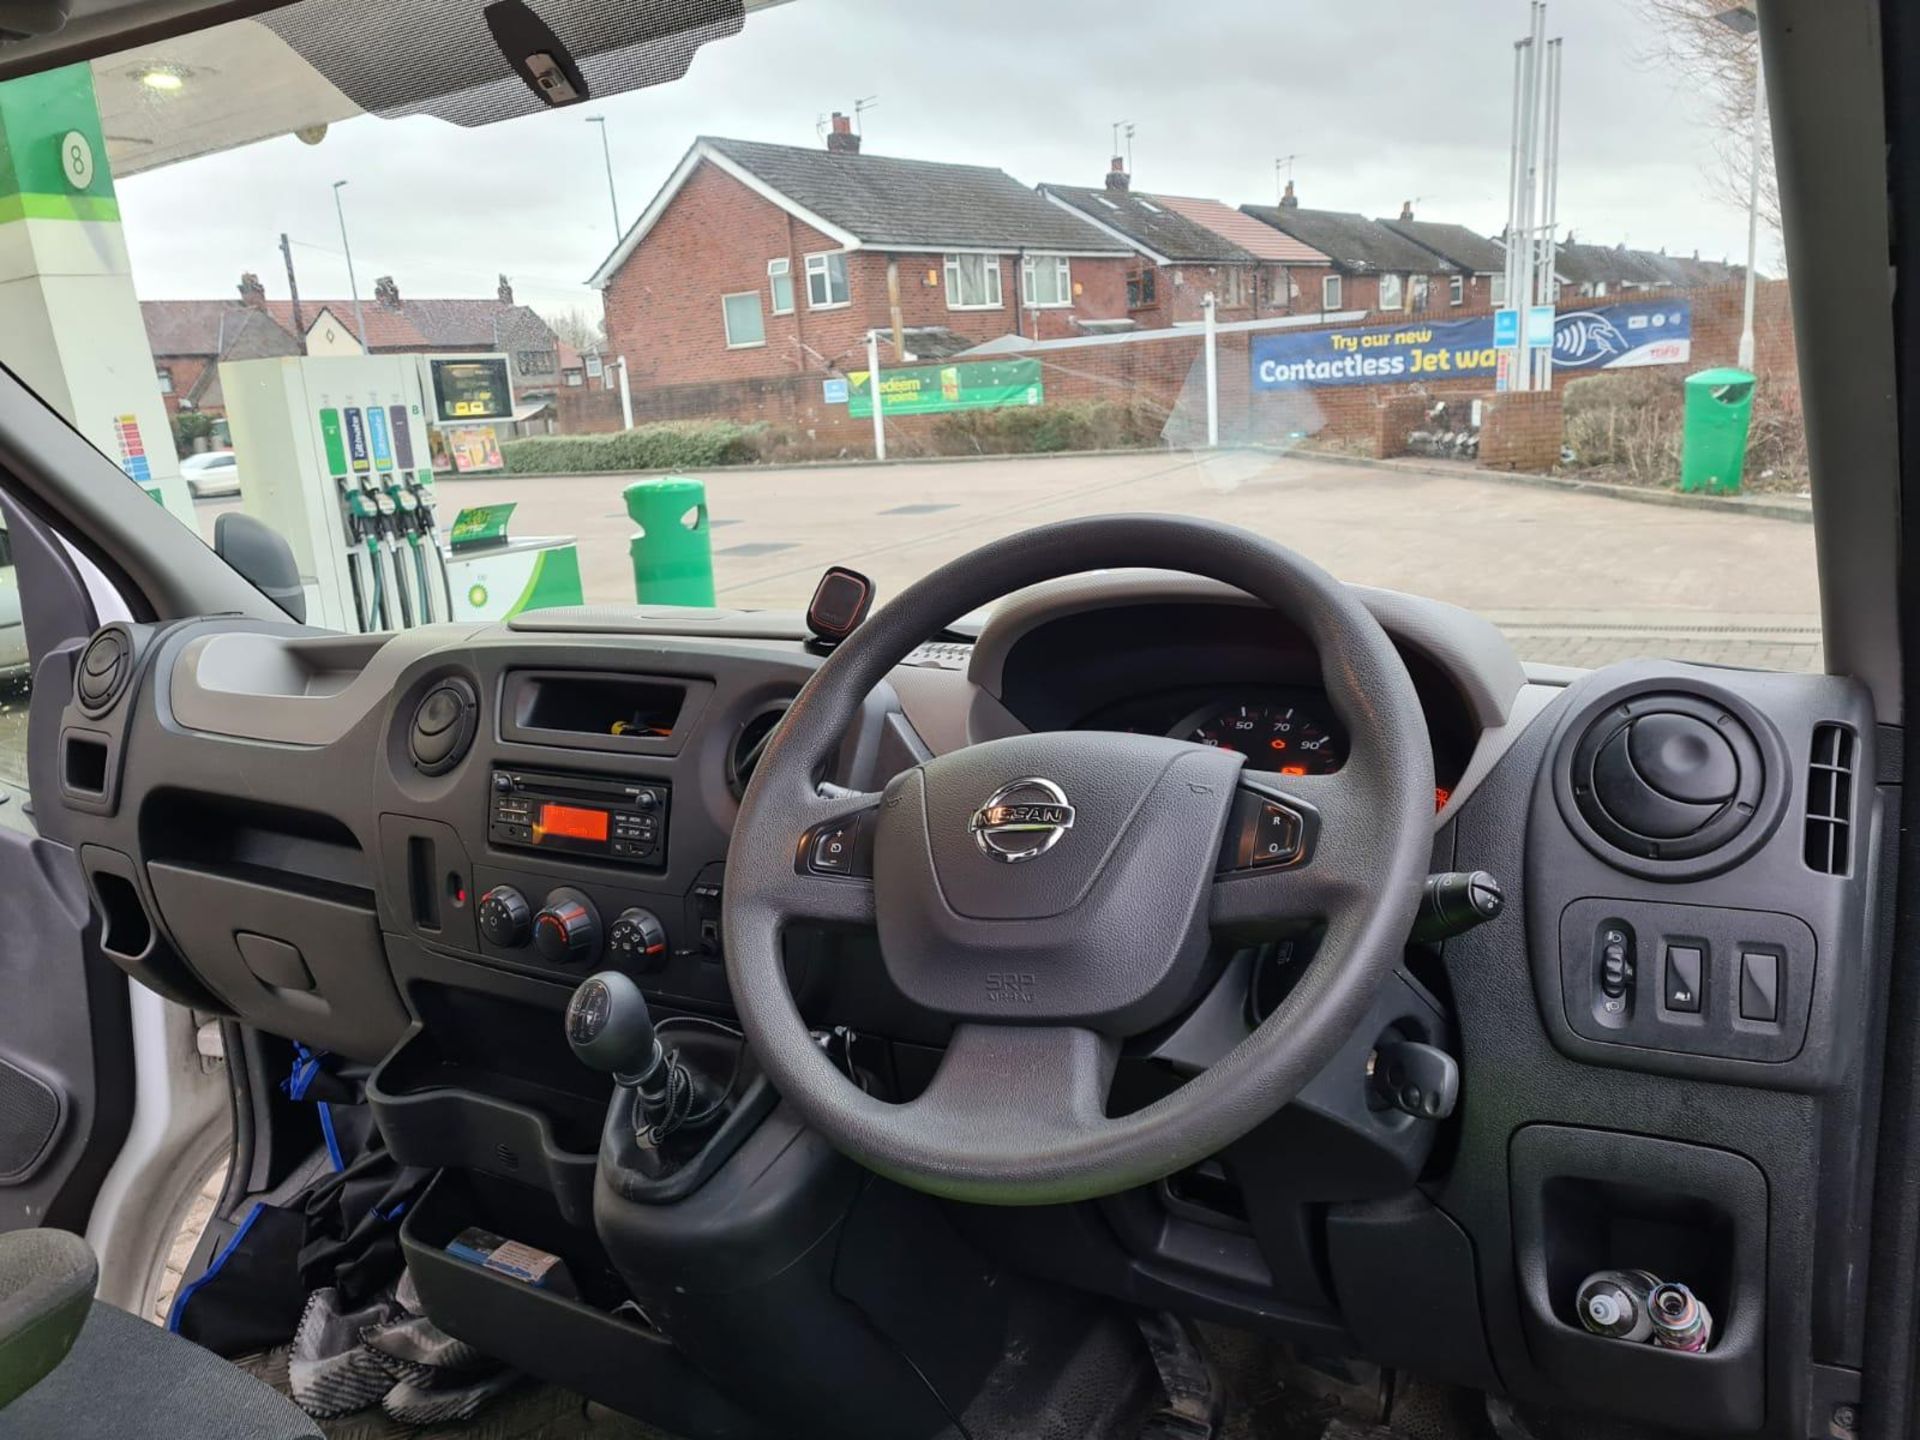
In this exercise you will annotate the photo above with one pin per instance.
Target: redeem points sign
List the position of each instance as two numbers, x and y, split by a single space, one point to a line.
988 385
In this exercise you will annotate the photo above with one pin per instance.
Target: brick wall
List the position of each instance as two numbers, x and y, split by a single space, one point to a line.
186 371
1163 373
1521 430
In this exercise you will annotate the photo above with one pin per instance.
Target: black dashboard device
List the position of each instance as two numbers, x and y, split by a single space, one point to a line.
840 602
624 821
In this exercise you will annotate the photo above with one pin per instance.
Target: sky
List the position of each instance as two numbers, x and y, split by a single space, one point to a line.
1378 103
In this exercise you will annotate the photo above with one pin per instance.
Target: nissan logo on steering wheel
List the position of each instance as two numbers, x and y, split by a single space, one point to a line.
1021 820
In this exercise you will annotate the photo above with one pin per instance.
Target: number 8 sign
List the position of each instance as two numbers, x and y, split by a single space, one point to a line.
76 159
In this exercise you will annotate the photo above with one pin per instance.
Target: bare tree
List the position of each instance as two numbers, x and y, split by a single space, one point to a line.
1691 41
579 330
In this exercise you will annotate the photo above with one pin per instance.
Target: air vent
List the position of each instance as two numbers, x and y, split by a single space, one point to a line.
1667 777
750 743
1830 799
442 727
105 667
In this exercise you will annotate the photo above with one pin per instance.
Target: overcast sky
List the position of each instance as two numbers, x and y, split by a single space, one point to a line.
1380 102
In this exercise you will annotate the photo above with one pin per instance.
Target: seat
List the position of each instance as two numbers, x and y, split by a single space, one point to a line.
121 1376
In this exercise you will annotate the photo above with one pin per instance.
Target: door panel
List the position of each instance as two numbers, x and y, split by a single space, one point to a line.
66 1055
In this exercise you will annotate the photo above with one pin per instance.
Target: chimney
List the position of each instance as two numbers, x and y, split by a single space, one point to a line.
252 292
1406 210
1288 200
505 292
1117 177
386 294
840 139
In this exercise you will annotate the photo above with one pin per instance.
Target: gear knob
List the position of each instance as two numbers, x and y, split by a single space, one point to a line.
609 1028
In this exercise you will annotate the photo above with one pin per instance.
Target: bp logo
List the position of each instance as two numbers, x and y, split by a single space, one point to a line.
477 596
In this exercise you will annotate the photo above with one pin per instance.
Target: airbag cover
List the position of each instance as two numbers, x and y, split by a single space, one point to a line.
1103 926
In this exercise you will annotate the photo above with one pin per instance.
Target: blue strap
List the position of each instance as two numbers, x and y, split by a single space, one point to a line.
192 1288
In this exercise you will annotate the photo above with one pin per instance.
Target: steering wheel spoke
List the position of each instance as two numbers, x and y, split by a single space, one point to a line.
1289 854
1012 1089
832 880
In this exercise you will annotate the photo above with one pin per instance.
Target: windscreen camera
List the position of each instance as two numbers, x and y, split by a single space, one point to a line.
840 602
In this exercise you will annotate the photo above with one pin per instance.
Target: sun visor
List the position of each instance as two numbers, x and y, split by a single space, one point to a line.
441 58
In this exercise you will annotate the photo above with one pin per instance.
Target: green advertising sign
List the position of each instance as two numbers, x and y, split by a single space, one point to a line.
985 385
480 525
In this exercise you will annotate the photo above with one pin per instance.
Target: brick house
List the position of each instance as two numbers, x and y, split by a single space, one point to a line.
1478 278
1182 253
757 261
1372 267
189 338
1594 272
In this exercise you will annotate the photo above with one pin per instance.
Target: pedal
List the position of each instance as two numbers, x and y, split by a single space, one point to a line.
1194 1406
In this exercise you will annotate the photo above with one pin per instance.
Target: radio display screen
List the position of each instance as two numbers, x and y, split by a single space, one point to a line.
570 822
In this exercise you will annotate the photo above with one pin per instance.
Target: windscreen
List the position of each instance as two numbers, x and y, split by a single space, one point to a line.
1485 302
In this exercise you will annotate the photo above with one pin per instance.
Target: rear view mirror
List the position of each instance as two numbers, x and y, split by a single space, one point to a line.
263 558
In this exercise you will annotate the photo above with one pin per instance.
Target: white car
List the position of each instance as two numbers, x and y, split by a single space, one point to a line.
211 476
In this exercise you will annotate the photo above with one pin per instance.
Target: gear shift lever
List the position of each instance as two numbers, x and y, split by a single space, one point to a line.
610 1029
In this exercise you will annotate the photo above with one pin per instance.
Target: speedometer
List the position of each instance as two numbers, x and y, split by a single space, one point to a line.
1296 735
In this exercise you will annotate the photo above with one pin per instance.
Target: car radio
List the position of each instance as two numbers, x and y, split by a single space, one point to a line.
624 821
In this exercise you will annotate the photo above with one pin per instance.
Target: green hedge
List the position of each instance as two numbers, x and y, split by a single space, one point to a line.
1048 429
675 445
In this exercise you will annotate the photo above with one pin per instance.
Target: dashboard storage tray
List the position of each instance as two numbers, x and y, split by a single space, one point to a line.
438 1105
618 1359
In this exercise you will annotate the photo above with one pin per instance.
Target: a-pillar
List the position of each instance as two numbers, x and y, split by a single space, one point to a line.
69 321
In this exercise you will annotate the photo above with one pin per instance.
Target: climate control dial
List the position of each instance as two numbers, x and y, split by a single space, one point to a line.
506 919
637 940
567 931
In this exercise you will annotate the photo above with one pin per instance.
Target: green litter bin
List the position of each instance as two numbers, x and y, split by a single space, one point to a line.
1713 444
673 552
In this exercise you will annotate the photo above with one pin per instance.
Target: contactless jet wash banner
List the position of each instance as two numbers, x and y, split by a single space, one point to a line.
1607 337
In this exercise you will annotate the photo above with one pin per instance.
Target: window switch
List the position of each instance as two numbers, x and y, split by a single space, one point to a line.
1684 964
1759 986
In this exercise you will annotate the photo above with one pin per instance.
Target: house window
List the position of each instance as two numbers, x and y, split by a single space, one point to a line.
1497 291
1143 288
744 323
1233 287
574 378
1417 288
165 377
1392 293
780 285
973 282
827 280
1457 290
533 362
1330 292
1045 280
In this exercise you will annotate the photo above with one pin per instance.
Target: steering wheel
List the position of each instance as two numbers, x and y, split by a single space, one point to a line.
1054 894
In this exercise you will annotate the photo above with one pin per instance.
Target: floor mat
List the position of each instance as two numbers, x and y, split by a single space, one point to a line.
530 1411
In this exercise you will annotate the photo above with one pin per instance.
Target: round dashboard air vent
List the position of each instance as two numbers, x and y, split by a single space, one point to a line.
443 726
105 667
1668 776
749 743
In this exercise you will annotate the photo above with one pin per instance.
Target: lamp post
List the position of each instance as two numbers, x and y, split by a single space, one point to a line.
606 151
1744 20
359 322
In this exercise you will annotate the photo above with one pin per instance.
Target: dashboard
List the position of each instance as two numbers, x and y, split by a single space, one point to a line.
377 844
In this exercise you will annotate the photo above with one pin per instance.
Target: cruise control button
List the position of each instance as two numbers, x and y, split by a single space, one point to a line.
833 851
1276 835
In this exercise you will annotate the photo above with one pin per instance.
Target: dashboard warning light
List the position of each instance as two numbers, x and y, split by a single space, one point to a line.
1440 797
1277 743
1293 769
